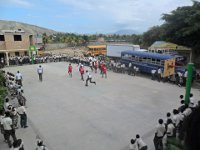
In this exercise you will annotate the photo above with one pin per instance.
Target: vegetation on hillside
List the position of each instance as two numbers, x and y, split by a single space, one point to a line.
3 91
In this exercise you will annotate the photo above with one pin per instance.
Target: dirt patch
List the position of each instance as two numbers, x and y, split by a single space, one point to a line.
68 51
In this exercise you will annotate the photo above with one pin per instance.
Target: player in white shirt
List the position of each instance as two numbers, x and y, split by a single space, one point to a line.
89 78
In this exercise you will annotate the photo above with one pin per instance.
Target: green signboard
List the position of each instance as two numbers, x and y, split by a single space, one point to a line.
32 52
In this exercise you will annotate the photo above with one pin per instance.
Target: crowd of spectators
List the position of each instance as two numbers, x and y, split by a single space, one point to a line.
180 129
14 114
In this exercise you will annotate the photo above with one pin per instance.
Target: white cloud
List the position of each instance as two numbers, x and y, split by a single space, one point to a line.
128 13
21 3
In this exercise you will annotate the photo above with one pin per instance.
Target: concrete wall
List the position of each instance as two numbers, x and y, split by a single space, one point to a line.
12 45
2 45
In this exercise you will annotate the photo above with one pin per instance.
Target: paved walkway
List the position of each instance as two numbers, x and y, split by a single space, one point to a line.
67 115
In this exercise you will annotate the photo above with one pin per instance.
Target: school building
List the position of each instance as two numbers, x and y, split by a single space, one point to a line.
14 43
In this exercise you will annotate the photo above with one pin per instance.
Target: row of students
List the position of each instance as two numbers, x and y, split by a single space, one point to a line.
172 128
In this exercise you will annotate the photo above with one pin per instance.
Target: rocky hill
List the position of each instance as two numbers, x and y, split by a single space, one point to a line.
32 29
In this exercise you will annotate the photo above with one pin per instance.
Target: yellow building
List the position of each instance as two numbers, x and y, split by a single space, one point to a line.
14 43
163 47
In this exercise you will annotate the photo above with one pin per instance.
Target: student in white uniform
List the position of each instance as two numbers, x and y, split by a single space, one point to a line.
89 78
160 132
18 78
133 145
140 143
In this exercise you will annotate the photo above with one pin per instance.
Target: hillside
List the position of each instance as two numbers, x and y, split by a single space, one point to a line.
126 32
32 29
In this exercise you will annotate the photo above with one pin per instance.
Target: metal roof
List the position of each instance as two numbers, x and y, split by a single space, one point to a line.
149 55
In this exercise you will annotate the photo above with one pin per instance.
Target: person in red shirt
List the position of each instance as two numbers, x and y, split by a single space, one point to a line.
81 70
104 71
70 70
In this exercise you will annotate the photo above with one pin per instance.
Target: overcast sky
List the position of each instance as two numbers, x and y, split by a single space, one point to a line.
89 16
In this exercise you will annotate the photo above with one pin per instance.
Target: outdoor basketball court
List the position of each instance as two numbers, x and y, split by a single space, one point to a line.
69 116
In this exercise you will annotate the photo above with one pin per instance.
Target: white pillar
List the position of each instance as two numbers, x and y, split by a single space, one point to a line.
7 59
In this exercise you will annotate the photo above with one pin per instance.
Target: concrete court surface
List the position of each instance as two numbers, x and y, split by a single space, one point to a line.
69 116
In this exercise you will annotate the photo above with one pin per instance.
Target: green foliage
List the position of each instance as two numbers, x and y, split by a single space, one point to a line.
182 26
153 34
3 91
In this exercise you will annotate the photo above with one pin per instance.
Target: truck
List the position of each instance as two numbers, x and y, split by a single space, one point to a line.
114 50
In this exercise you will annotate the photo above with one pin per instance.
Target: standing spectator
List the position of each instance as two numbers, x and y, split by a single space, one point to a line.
70 70
182 107
185 77
160 132
130 68
8 129
6 104
140 143
170 130
18 78
14 117
89 78
133 145
23 116
1 124
159 71
153 73
191 104
40 72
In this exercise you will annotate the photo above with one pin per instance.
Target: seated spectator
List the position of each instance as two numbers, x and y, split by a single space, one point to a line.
18 145
41 146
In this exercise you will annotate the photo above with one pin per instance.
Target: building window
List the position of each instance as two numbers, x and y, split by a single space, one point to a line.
17 38
16 53
2 38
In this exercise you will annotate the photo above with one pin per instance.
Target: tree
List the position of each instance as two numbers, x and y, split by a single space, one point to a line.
182 26
155 33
